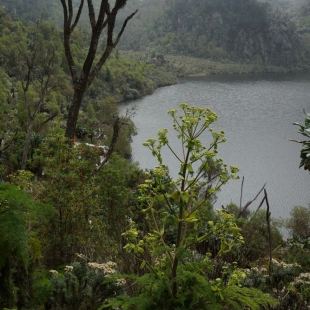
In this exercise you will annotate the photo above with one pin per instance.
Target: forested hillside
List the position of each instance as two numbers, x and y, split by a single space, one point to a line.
119 80
251 31
32 10
84 228
241 30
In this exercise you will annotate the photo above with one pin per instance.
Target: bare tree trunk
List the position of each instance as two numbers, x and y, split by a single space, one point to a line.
82 80
73 114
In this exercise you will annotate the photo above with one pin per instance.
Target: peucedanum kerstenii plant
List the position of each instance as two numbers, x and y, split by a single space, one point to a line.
176 276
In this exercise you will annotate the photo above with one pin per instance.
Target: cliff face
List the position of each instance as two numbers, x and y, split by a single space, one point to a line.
276 45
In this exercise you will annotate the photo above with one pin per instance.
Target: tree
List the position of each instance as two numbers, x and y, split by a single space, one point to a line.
35 83
90 208
82 79
70 187
7 115
32 89
299 222
176 277
256 237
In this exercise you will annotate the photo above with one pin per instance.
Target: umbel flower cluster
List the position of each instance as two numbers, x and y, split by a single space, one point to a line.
108 268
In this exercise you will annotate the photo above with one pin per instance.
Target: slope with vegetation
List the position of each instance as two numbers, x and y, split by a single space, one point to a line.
74 239
262 33
239 30
79 235
23 74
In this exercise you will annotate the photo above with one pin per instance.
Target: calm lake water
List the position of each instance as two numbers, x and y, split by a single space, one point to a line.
257 114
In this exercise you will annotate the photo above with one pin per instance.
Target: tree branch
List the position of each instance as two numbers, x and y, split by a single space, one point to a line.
65 10
104 8
91 14
78 15
123 27
49 118
249 202
70 12
110 44
67 32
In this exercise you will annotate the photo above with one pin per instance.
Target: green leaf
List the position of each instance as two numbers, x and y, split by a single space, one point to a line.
157 233
175 195
190 168
162 231
201 238
185 197
191 219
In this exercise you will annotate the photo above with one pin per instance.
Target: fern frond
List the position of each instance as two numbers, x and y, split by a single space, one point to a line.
249 297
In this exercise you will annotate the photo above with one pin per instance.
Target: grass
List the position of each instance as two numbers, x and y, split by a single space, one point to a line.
191 66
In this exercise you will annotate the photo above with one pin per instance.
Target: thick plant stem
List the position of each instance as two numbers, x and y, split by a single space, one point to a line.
180 228
176 260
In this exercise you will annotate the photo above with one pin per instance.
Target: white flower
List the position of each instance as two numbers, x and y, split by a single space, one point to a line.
68 269
108 267
120 282
53 271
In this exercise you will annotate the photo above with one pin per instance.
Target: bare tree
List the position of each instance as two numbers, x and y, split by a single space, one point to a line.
81 80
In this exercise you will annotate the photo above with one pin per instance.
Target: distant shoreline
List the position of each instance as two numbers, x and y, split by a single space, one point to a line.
183 66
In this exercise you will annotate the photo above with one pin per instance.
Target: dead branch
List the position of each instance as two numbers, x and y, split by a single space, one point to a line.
249 202
240 206
268 214
260 205
49 119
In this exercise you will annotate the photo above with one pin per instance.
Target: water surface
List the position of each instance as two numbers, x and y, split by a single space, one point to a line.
256 112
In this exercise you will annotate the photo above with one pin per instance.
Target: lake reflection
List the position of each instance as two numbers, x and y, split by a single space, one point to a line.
256 112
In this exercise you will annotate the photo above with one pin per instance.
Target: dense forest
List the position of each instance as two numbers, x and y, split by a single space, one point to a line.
84 228
246 31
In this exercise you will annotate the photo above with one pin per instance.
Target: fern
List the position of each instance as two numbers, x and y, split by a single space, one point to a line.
195 292
239 297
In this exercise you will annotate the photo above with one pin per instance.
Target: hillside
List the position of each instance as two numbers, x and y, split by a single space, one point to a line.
272 32
120 79
32 10
240 30
82 227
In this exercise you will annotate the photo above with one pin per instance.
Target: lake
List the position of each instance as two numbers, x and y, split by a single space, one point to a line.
257 112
